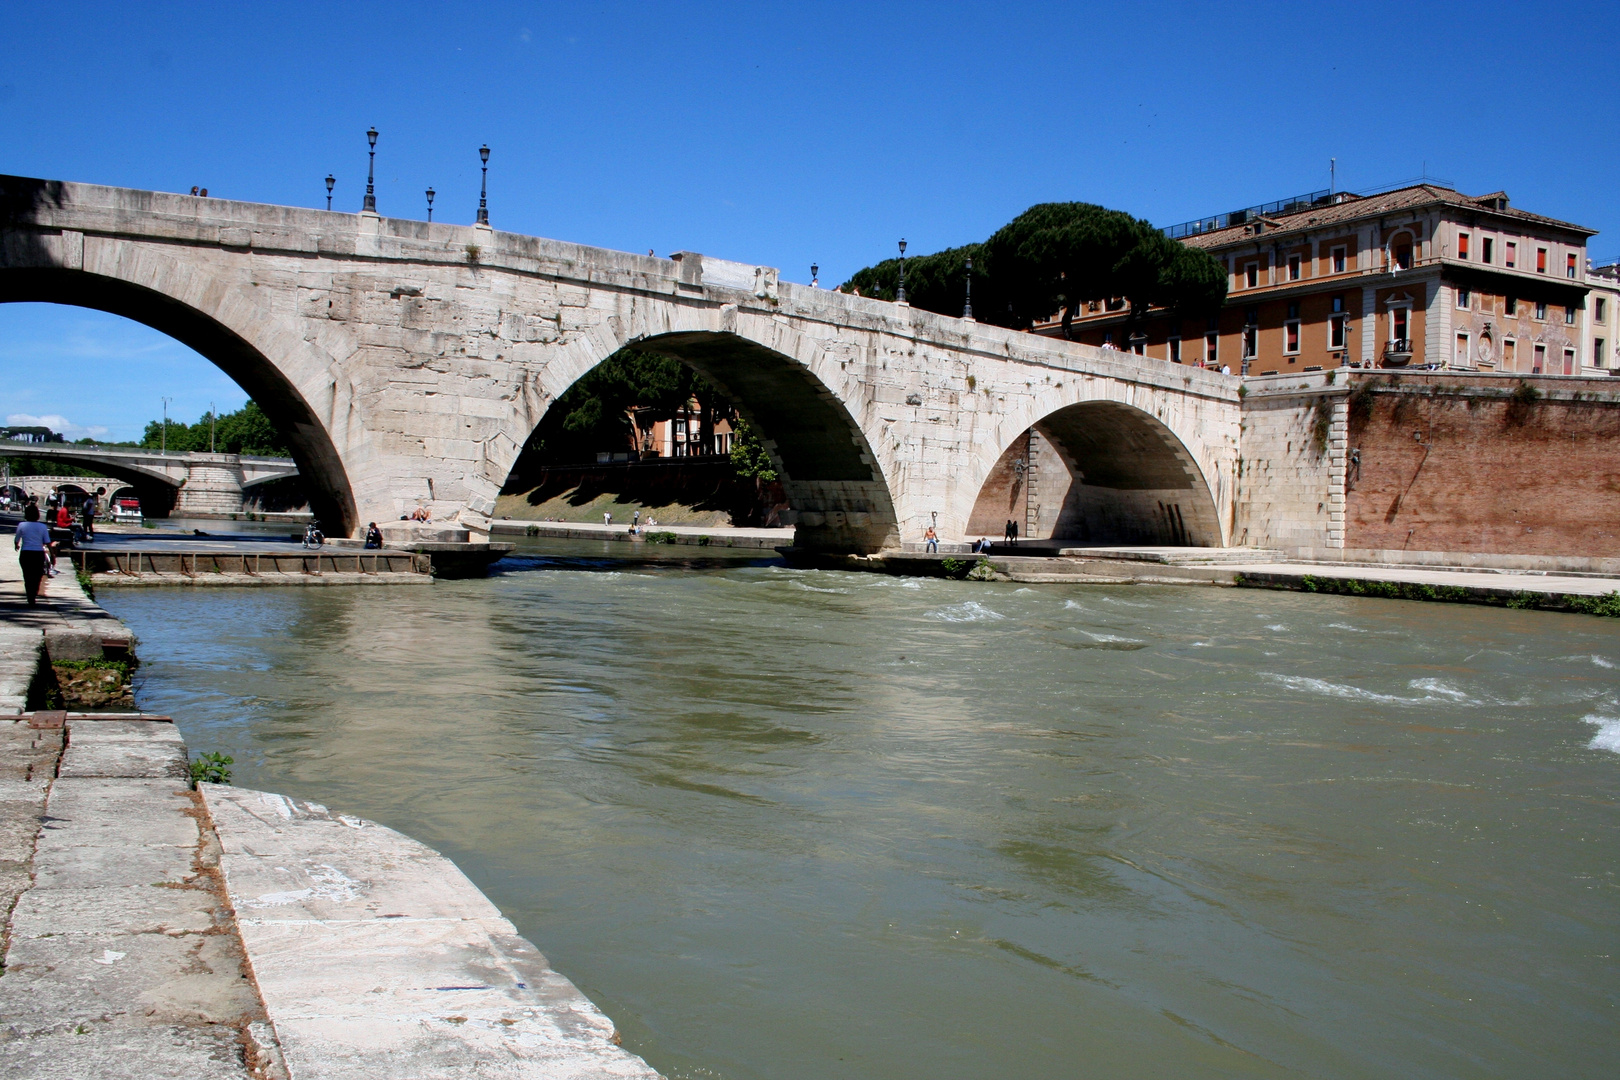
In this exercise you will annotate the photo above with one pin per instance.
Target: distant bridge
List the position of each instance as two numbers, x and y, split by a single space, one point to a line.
180 482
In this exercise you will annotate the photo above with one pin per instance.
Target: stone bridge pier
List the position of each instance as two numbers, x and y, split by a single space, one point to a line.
408 363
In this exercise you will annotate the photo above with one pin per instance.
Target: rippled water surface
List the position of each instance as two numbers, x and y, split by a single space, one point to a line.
791 824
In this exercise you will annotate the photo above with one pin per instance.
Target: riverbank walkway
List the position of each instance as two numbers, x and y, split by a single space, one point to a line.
712 536
151 930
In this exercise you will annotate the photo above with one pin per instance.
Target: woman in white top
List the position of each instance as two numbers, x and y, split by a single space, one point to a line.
32 541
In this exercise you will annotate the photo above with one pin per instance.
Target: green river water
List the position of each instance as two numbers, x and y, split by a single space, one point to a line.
789 824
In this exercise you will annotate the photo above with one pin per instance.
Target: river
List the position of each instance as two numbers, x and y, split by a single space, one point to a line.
790 824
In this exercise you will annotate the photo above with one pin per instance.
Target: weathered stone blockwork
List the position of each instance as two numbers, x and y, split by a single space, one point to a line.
1290 475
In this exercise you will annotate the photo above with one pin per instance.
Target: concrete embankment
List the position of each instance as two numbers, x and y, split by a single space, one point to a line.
156 931
1519 587
131 568
720 537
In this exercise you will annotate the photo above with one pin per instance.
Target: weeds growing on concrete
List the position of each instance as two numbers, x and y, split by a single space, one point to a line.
662 538
1606 605
211 769
84 581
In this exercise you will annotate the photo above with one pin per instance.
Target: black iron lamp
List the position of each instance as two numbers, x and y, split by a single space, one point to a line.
815 276
483 187
900 293
430 203
370 205
330 180
967 307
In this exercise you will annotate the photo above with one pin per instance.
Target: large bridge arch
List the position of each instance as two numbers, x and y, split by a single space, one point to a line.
293 380
777 379
1099 468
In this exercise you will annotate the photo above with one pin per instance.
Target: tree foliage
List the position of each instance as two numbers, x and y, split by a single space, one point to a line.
1056 257
748 453
246 431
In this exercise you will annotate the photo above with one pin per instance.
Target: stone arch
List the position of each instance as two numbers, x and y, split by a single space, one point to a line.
224 327
777 378
1102 472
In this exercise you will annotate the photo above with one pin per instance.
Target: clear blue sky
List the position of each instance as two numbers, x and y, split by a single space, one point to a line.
774 133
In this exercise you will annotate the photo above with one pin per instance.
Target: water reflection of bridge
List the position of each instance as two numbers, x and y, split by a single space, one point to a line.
185 483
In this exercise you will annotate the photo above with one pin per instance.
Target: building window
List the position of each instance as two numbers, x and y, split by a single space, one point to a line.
1336 332
1464 299
1540 358
1291 336
1251 342
1512 259
1600 309
1541 311
1173 350
1139 345
1462 245
1510 308
1398 323
1571 264
1485 246
1541 260
1251 275
1569 361
1600 354
1510 352
1463 351
1336 259
1569 315
1211 348
1293 268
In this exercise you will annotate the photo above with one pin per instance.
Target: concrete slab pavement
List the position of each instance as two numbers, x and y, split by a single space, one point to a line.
375 956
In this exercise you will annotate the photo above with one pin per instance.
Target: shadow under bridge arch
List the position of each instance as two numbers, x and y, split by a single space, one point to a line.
836 492
1099 472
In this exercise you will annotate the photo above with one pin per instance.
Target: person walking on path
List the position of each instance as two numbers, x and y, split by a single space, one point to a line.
1012 532
607 519
635 519
32 541
932 539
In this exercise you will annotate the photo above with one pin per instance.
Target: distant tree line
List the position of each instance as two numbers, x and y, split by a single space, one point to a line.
1054 258
245 431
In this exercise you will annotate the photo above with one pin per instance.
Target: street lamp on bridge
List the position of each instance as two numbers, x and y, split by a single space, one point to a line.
370 205
483 186
330 180
900 293
815 276
967 307
430 203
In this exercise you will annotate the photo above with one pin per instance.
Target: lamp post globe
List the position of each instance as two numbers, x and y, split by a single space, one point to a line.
330 180
430 203
815 276
483 186
370 204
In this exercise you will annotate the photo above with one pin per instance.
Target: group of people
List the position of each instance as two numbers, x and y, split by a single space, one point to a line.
36 551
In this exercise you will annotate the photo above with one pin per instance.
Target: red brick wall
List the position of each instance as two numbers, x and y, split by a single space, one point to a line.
1488 474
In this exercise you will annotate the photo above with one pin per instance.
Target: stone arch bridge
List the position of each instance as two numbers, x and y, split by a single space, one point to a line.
181 483
408 363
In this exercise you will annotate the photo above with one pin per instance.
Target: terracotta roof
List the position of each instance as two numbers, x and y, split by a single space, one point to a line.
1357 208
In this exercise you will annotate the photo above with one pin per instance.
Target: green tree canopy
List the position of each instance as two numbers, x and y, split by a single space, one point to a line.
1052 257
245 431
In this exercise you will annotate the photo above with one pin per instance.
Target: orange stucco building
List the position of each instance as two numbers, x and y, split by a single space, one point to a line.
1421 276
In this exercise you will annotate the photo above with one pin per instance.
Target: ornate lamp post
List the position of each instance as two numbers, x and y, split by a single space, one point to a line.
370 205
815 276
900 293
330 180
430 203
483 186
967 308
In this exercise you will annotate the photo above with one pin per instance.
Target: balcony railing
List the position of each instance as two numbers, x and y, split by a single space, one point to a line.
1398 350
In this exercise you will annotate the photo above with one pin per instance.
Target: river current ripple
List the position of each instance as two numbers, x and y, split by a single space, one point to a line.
790 824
